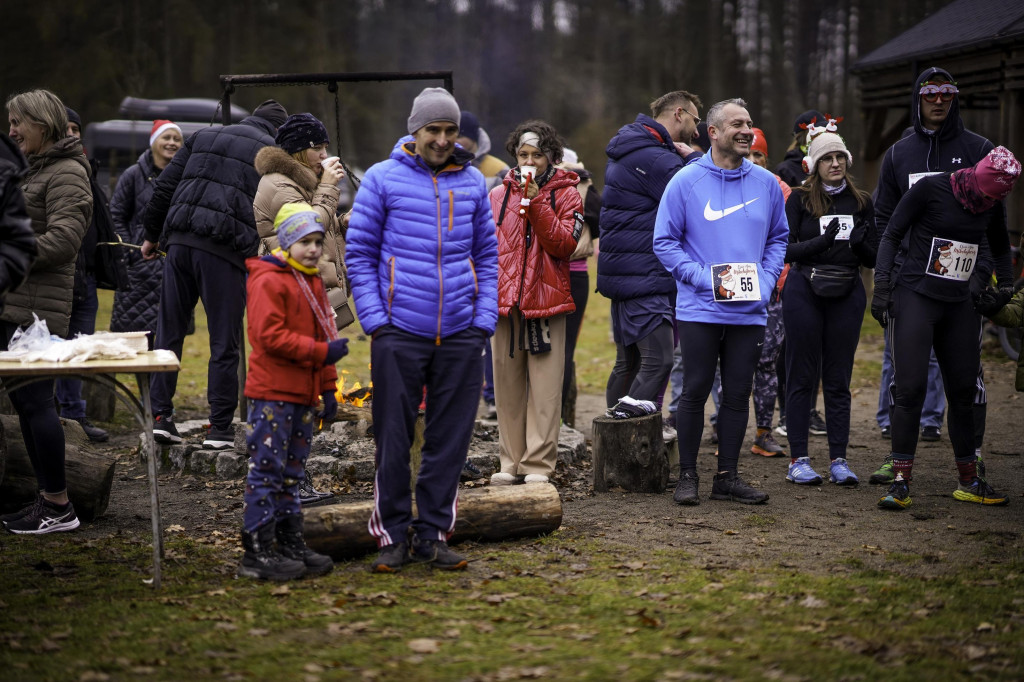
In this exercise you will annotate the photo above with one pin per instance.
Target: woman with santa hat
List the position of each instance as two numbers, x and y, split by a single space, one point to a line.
136 308
936 232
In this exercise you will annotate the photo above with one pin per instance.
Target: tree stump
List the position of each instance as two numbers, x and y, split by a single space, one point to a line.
629 454
488 513
90 474
100 401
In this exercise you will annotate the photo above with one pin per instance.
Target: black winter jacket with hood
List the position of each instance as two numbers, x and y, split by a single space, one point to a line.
17 241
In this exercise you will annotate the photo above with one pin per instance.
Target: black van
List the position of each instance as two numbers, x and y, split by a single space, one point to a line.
117 144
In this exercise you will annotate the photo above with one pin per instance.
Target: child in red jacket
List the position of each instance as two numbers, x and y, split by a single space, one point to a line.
294 347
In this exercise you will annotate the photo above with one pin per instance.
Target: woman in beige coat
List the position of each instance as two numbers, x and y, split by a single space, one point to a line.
298 170
59 203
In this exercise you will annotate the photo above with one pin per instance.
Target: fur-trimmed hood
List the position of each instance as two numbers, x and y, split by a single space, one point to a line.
271 160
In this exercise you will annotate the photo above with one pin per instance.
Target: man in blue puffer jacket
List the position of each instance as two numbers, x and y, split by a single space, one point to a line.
422 255
202 204
721 233
642 158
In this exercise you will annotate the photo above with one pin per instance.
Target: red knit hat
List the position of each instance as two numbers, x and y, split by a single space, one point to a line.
160 126
759 144
997 172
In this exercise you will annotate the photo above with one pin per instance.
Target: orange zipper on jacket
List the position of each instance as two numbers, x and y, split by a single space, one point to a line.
440 275
391 285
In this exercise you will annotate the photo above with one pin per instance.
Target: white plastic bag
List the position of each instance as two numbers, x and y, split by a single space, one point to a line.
35 337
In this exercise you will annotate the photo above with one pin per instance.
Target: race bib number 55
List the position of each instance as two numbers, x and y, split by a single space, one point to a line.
735 282
951 259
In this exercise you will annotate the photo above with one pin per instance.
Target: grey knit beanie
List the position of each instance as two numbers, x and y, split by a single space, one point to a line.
433 104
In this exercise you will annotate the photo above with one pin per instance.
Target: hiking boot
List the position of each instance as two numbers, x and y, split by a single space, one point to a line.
310 496
898 496
816 425
931 433
729 486
45 517
391 558
840 473
437 554
95 433
884 474
686 489
291 545
801 473
765 444
262 560
24 511
979 492
470 472
887 432
164 431
219 439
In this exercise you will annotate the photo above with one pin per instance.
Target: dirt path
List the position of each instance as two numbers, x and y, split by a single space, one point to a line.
819 528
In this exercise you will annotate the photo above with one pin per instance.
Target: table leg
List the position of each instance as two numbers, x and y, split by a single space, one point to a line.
154 488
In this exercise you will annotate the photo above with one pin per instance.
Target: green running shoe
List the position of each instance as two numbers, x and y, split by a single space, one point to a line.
884 474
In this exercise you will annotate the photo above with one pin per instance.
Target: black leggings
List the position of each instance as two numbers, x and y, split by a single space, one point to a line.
641 370
704 346
579 283
919 323
40 427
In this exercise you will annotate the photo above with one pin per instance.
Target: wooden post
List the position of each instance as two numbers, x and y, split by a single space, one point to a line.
629 454
488 513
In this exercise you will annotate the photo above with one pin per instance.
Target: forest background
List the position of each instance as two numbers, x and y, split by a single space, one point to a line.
586 66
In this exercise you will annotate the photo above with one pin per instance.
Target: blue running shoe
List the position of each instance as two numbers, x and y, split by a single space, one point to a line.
898 496
840 474
801 473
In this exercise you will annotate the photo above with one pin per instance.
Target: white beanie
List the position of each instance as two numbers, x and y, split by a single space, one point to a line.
822 144
433 104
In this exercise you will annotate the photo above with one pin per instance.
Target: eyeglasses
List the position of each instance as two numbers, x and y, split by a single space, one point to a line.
695 117
933 93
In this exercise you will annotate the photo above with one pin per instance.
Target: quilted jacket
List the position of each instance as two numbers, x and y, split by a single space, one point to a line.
136 308
17 241
534 249
422 252
58 200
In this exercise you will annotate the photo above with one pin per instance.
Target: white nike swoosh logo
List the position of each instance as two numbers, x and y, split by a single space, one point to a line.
712 214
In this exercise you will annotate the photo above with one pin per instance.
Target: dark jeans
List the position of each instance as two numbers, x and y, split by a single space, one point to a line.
917 324
821 333
190 275
401 365
737 349
83 321
641 370
580 285
40 426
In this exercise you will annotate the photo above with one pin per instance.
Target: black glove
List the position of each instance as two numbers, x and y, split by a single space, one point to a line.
880 304
829 235
336 350
330 410
858 233
991 301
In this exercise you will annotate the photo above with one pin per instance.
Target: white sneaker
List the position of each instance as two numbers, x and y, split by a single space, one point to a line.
781 430
502 478
536 478
668 434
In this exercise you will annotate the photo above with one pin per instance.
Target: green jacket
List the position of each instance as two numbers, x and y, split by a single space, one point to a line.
1012 315
58 200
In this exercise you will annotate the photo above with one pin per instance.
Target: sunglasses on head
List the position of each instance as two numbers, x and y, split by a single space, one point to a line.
933 93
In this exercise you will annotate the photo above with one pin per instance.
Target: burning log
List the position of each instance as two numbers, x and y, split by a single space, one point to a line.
489 514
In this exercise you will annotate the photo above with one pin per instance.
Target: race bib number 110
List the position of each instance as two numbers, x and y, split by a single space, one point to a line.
952 260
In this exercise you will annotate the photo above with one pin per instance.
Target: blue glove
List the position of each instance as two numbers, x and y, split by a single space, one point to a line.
330 410
336 350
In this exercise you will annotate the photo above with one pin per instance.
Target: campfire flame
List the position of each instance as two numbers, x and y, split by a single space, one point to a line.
356 395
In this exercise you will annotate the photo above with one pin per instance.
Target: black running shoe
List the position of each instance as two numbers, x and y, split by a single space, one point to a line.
437 554
95 433
310 496
219 439
164 431
729 486
24 511
46 517
686 489
816 425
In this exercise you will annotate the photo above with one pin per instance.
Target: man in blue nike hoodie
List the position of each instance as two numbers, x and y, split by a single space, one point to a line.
721 232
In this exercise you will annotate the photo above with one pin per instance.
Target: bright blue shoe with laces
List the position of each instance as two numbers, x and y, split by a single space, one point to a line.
801 473
840 474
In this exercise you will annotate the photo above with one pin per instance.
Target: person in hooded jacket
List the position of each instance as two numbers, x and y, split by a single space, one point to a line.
721 233
201 214
938 229
791 169
539 217
936 142
58 200
137 308
17 240
642 159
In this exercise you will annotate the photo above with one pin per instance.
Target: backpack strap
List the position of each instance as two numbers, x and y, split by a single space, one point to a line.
504 204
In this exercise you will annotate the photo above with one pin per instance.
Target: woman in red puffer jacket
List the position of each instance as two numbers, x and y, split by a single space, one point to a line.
539 219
